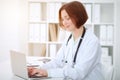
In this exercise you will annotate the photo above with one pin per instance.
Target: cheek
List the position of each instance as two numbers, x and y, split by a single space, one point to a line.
63 22
70 22
66 23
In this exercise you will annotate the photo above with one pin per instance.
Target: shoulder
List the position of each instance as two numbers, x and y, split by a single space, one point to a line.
90 37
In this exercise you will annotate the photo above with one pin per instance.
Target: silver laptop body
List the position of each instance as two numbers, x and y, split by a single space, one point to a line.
19 66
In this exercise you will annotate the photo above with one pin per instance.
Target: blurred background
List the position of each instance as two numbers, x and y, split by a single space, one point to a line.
14 30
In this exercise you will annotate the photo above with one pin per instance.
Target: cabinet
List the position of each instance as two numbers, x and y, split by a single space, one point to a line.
45 36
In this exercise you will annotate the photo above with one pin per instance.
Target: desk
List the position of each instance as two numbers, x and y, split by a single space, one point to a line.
6 72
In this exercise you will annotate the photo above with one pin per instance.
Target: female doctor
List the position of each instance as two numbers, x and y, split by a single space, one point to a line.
79 56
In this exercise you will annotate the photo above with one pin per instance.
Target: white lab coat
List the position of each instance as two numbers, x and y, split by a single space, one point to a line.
87 67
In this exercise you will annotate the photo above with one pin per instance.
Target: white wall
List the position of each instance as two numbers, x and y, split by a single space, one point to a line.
23 25
13 25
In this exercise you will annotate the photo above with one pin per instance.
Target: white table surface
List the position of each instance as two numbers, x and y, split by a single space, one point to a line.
6 72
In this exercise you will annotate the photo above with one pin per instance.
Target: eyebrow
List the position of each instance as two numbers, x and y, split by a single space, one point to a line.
66 16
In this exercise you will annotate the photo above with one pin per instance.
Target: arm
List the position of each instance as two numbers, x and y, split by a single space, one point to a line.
88 57
53 64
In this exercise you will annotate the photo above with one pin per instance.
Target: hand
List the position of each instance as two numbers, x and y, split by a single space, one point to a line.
32 71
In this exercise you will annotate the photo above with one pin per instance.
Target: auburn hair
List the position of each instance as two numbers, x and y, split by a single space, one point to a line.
76 12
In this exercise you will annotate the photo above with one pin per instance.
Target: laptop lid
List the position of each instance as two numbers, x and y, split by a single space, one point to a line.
18 64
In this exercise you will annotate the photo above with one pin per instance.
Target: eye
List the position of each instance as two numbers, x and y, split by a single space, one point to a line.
67 18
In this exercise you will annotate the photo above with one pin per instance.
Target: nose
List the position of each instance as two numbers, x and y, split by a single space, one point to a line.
64 22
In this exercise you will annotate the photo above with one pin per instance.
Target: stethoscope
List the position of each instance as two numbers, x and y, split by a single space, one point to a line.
80 41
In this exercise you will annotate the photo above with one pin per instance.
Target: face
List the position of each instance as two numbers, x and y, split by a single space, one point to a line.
67 22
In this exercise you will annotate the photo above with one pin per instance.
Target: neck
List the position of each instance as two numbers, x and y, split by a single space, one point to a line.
78 32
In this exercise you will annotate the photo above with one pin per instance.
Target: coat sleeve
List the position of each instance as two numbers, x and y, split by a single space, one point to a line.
55 66
55 62
85 63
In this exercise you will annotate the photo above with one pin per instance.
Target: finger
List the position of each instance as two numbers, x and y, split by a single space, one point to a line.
34 71
31 71
30 68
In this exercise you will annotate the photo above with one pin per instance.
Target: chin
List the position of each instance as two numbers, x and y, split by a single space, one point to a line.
69 30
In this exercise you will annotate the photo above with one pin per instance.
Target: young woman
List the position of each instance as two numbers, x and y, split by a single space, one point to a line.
79 56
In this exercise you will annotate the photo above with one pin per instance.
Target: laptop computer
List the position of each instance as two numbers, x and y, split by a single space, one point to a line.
19 66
